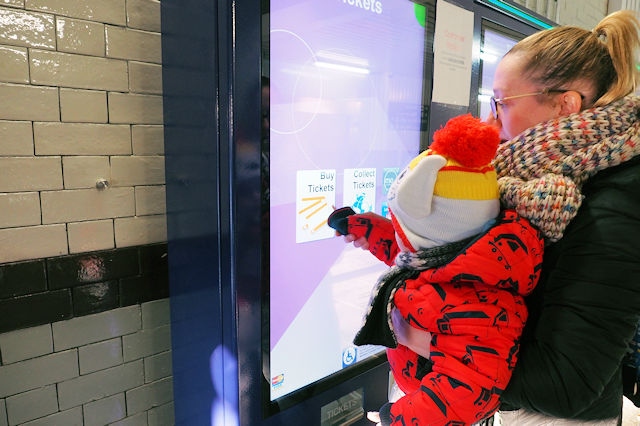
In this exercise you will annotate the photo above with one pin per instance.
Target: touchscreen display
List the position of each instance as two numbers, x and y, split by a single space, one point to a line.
345 79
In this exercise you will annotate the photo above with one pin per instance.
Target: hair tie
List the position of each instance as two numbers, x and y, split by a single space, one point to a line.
600 35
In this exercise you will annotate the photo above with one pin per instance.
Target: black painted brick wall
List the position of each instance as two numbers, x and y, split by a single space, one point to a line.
42 291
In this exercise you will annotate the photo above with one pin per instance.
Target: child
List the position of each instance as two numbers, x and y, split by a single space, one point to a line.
451 308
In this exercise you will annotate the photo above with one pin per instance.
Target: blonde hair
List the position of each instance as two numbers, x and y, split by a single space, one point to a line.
605 56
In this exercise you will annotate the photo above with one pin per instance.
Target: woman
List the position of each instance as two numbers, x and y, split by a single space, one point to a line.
571 164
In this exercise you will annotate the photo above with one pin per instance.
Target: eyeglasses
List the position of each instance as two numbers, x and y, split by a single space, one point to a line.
494 102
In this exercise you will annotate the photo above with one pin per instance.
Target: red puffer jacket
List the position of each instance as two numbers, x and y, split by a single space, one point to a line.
473 306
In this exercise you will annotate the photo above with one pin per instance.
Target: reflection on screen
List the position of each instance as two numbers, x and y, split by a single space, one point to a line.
345 105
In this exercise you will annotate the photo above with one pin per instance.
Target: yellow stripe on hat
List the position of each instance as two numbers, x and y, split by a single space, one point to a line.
467 183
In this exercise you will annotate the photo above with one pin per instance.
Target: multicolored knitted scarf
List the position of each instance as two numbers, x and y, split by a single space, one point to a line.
541 172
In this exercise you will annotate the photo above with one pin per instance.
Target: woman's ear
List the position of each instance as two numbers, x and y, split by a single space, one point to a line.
570 102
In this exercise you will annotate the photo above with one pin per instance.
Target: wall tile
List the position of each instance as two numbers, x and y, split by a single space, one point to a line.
156 313
35 309
141 230
90 236
111 11
147 140
145 78
32 242
95 328
83 106
3 413
21 174
94 298
16 137
135 109
70 271
100 356
79 36
83 171
27 28
38 372
149 396
15 65
19 209
126 43
71 417
22 278
100 384
162 415
143 14
139 419
157 366
78 71
137 170
150 200
33 404
86 204
32 103
146 343
14 3
105 411
81 139
27 343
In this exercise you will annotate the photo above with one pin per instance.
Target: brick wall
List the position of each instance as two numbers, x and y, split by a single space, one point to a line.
84 310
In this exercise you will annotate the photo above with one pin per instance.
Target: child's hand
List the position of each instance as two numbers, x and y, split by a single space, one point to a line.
358 242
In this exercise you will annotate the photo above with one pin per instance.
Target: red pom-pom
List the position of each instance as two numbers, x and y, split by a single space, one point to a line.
467 140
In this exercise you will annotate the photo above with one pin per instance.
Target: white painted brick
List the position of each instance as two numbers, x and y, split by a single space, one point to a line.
71 417
14 3
16 137
156 313
147 140
141 230
146 343
83 106
145 78
32 242
14 65
83 171
137 170
79 71
27 28
101 355
105 411
22 174
100 384
79 36
3 413
32 103
157 367
32 405
150 395
111 11
95 328
38 372
91 236
26 343
162 416
81 139
139 419
143 15
19 209
127 43
87 204
135 109
150 200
